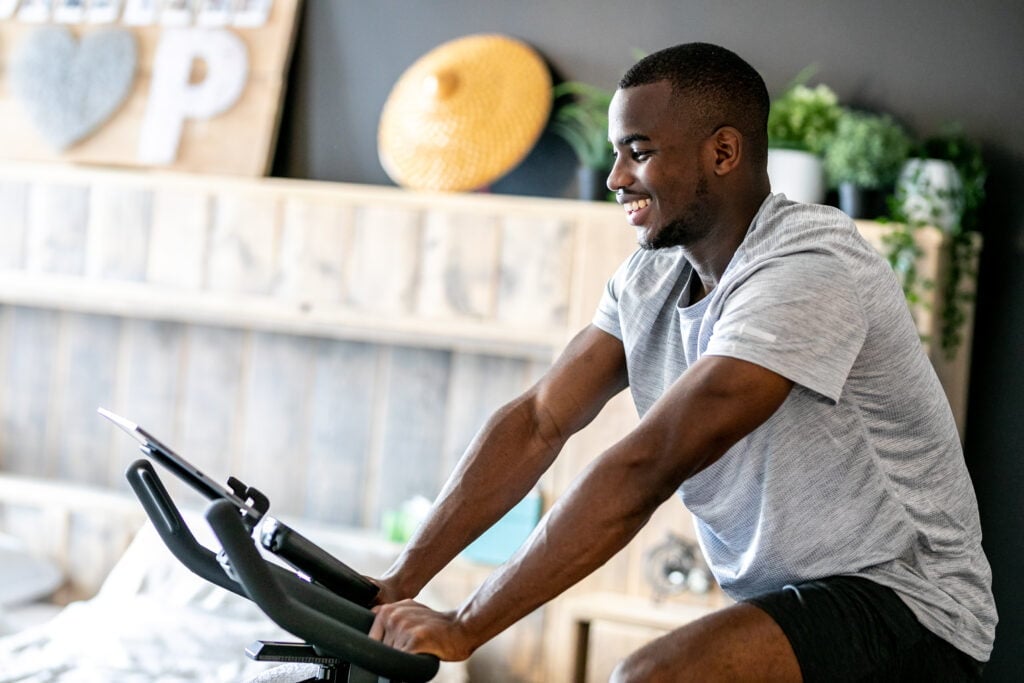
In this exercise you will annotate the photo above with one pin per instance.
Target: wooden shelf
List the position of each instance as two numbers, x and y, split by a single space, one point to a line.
149 302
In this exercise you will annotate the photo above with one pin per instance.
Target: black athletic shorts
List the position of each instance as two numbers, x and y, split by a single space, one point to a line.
851 629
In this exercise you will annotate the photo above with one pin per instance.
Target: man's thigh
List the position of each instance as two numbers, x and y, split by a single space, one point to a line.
737 644
837 629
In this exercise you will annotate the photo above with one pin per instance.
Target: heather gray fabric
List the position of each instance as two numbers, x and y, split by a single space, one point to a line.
860 472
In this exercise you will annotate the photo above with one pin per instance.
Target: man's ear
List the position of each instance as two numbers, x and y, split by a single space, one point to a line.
727 145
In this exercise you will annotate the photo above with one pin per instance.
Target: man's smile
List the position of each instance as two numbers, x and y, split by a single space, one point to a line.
635 210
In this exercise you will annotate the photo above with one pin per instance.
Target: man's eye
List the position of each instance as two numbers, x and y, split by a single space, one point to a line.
639 154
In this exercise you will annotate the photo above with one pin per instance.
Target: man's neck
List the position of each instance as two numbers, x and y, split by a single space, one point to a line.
711 256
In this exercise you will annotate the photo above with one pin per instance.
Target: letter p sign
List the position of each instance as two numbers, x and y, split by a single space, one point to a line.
173 97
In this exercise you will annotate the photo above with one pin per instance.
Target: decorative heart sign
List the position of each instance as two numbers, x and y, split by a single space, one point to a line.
70 87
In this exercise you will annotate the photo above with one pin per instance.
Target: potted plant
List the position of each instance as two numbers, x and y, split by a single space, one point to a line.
800 122
942 184
582 121
863 159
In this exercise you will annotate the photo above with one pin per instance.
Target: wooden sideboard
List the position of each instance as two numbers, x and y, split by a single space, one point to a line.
338 344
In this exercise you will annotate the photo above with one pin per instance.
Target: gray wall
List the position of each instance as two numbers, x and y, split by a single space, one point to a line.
925 62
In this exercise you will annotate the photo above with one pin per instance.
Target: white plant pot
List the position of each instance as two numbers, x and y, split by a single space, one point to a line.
798 175
932 192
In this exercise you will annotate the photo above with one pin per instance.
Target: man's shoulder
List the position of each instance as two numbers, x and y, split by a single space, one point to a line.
779 214
784 227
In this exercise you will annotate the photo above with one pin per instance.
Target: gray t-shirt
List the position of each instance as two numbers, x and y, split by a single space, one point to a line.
860 471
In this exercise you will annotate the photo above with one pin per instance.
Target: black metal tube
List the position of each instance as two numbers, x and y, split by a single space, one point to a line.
305 621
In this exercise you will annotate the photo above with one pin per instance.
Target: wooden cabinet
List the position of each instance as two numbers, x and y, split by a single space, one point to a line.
606 627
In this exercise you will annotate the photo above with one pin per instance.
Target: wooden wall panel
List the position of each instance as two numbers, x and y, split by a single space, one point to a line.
316 237
87 367
536 264
118 232
243 244
412 436
273 453
57 215
479 386
342 418
13 210
382 273
149 383
211 401
178 236
460 265
29 378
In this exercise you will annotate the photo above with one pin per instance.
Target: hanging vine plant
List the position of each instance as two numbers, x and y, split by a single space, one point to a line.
956 209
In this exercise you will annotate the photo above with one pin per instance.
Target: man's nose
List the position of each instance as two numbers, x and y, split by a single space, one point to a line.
618 177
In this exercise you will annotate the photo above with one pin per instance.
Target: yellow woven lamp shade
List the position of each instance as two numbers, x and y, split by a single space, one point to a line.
464 114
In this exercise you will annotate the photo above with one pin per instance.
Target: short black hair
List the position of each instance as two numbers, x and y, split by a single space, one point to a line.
719 86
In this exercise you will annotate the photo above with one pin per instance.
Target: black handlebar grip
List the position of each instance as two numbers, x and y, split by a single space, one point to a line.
172 528
317 563
306 621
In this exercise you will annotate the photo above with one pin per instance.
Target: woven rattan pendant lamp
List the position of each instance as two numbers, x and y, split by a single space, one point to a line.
464 114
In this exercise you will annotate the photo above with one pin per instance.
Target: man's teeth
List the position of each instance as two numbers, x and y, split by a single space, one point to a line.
637 205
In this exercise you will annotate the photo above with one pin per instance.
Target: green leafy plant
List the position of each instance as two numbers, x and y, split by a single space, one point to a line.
866 150
582 121
950 144
803 118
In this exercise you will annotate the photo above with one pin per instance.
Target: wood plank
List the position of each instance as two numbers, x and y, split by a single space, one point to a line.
118 233
344 392
243 244
460 265
413 429
82 441
536 268
316 236
13 211
177 239
267 313
273 457
5 335
57 229
212 400
383 269
149 386
603 242
479 385
30 378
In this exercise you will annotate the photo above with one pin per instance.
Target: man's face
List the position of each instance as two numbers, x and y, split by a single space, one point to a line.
658 174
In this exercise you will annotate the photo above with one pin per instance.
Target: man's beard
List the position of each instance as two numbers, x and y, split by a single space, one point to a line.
692 226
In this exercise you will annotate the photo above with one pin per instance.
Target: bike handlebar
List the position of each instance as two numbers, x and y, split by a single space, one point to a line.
335 625
305 621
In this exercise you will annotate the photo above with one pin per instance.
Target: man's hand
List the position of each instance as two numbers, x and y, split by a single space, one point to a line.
412 627
388 591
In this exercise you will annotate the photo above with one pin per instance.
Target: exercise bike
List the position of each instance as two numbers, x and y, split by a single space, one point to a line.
313 595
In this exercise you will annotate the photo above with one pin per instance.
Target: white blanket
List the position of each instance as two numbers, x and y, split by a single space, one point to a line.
153 620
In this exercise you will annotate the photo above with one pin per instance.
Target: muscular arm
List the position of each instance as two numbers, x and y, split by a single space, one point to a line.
509 454
713 405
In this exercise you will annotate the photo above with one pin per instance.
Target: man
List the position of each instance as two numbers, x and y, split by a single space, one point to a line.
783 393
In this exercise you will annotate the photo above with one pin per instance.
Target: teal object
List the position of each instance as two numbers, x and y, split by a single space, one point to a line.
502 540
